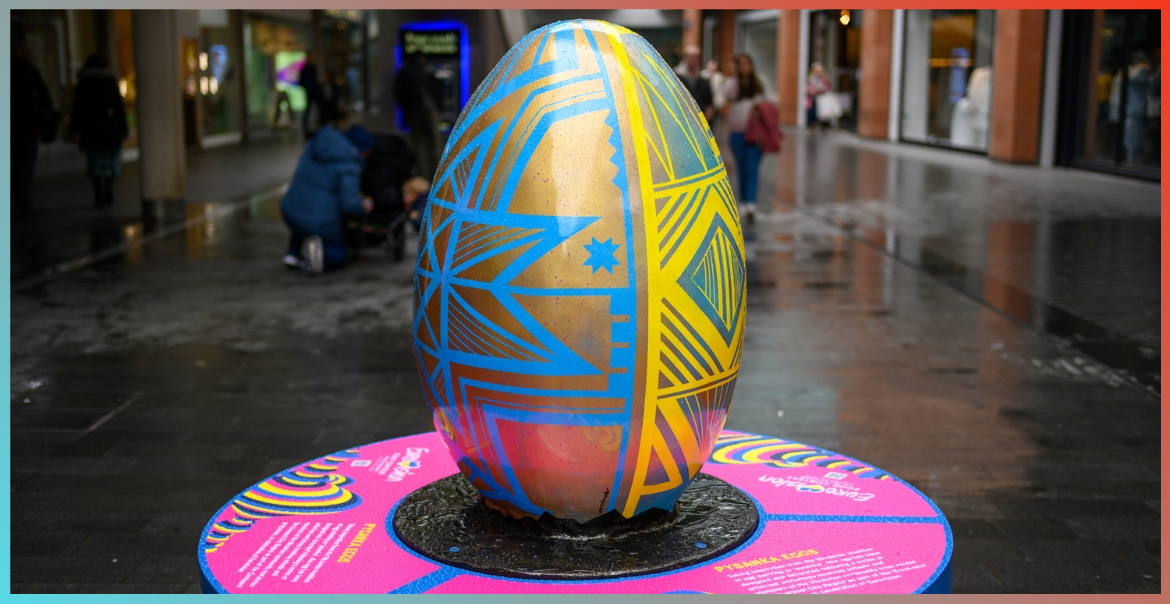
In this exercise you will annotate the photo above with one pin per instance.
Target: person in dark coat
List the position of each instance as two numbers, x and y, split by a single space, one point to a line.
32 111
697 84
311 82
389 165
325 188
99 123
417 93
330 99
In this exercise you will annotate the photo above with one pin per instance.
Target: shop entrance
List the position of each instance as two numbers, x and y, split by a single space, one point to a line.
1111 94
835 43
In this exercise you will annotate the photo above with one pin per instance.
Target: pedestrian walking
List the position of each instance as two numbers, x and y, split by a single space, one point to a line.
330 100
325 189
743 92
33 120
416 92
310 81
718 90
817 85
99 124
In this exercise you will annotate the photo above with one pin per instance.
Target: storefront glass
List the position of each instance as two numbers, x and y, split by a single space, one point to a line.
1119 116
343 41
946 86
47 36
218 81
127 75
266 39
758 40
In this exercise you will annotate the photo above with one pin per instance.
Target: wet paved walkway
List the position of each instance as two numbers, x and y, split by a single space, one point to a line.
1074 254
62 224
151 387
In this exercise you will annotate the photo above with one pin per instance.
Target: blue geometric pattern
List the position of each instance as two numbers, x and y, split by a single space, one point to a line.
476 333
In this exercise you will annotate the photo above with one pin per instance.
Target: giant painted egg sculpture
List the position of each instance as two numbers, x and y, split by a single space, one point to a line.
579 294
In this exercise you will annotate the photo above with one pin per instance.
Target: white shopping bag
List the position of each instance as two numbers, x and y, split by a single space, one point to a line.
828 107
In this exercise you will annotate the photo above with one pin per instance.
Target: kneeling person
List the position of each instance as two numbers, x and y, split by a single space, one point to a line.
325 188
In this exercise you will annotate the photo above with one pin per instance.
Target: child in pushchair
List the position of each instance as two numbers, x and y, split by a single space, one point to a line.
414 196
388 167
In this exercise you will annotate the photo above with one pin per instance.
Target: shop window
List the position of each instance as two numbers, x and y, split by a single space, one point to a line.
947 77
1118 105
274 51
218 81
758 39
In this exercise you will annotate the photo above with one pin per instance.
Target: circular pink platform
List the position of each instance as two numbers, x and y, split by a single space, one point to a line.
828 524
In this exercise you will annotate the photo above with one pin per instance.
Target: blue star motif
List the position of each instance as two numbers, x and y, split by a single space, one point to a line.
601 255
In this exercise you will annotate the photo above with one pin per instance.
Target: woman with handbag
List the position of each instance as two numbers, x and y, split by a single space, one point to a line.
743 92
99 123
818 84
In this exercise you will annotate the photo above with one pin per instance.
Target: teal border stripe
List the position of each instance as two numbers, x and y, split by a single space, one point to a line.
6 280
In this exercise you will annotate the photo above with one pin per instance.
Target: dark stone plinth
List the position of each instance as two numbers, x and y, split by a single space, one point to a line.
447 522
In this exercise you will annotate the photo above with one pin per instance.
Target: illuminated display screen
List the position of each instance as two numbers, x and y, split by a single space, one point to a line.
431 42
288 73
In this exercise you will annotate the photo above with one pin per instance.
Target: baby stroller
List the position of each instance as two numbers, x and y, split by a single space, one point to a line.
390 163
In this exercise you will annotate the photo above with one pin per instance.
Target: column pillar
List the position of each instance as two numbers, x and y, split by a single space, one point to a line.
726 50
1017 80
162 153
388 23
788 65
692 34
874 93
240 65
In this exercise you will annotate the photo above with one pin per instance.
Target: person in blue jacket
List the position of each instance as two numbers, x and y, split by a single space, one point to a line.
324 190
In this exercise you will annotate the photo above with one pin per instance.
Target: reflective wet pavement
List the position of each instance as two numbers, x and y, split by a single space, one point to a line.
150 387
1076 255
62 228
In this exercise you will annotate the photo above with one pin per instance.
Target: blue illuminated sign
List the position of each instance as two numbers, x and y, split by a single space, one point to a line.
446 48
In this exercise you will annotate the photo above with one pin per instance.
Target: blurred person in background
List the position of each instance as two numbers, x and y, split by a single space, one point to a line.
743 92
310 80
818 84
330 99
718 89
99 124
696 83
33 119
325 189
415 193
388 166
416 92
721 81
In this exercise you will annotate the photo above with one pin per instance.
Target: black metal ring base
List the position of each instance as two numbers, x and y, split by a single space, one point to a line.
446 521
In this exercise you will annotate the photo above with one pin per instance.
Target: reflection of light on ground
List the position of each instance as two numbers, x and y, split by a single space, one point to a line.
209 224
132 233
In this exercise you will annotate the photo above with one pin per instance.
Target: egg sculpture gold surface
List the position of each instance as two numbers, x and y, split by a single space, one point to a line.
579 292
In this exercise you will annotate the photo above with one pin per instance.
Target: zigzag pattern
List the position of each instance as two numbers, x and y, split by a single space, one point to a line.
694 236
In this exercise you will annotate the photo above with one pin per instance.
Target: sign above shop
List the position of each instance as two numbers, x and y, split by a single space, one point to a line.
443 52
349 14
431 42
